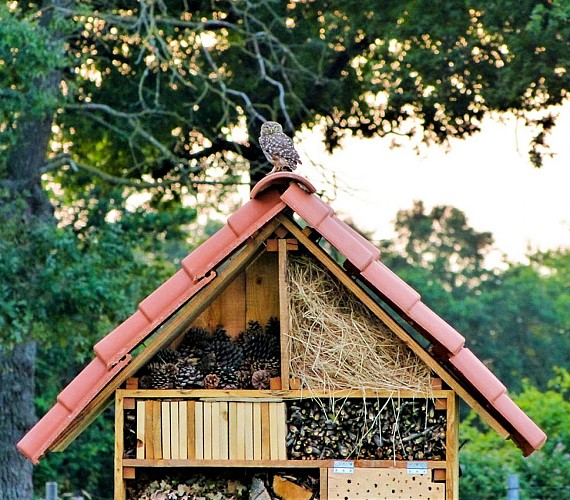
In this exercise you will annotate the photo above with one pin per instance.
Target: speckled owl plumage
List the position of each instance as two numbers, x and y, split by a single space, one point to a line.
278 147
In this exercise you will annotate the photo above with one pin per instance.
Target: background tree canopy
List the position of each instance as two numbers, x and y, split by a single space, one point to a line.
120 120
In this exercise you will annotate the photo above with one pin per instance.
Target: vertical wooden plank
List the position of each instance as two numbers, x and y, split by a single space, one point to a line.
283 314
262 289
183 421
240 427
165 410
199 428
174 431
207 431
452 447
191 429
323 483
281 431
265 432
215 426
273 432
248 428
157 429
228 309
233 430
257 431
140 430
119 483
224 443
148 431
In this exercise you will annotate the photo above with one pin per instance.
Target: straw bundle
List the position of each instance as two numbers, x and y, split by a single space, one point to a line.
337 343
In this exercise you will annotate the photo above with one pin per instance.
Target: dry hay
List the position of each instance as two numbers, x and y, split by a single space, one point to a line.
337 343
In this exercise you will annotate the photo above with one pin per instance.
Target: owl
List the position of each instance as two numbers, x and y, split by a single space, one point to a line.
278 148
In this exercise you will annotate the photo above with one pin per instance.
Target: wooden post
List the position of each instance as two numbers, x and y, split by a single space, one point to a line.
284 314
452 448
120 492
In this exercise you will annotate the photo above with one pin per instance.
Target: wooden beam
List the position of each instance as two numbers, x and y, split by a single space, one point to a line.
452 449
177 324
377 310
284 314
119 448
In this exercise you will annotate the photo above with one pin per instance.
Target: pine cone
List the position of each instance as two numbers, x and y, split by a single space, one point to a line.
164 376
195 341
165 356
243 378
188 377
145 382
211 381
272 365
260 379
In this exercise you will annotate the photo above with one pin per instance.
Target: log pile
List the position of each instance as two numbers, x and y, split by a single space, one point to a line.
304 485
369 430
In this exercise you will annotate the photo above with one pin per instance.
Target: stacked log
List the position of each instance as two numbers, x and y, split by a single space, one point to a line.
367 430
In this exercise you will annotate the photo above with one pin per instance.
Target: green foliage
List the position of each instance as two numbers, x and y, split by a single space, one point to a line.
28 54
487 461
69 285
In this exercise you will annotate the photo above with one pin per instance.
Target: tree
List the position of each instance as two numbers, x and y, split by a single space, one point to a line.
102 100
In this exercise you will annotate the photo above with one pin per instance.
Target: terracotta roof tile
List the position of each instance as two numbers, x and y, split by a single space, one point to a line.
478 374
70 402
283 179
439 330
528 436
390 286
140 325
241 225
310 207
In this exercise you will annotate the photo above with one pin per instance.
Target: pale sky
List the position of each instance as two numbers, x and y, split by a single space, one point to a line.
487 176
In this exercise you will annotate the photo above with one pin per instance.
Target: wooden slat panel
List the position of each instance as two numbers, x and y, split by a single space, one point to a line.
273 432
199 429
165 410
174 431
240 431
215 426
157 429
207 431
148 431
233 430
265 432
191 408
281 431
183 420
227 310
262 289
141 421
224 443
257 429
248 430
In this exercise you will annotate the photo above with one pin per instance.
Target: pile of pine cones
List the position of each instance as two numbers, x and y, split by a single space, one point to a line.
213 360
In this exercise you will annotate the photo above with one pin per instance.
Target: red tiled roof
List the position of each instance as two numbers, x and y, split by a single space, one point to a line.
269 197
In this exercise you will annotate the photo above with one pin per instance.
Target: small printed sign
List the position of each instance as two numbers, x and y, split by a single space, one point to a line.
343 467
417 468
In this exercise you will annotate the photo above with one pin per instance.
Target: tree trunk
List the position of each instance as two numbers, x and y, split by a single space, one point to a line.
17 415
25 161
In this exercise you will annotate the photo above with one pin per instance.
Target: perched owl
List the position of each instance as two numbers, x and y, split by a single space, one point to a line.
278 148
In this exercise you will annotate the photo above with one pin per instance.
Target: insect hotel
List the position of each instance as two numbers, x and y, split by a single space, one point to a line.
284 360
